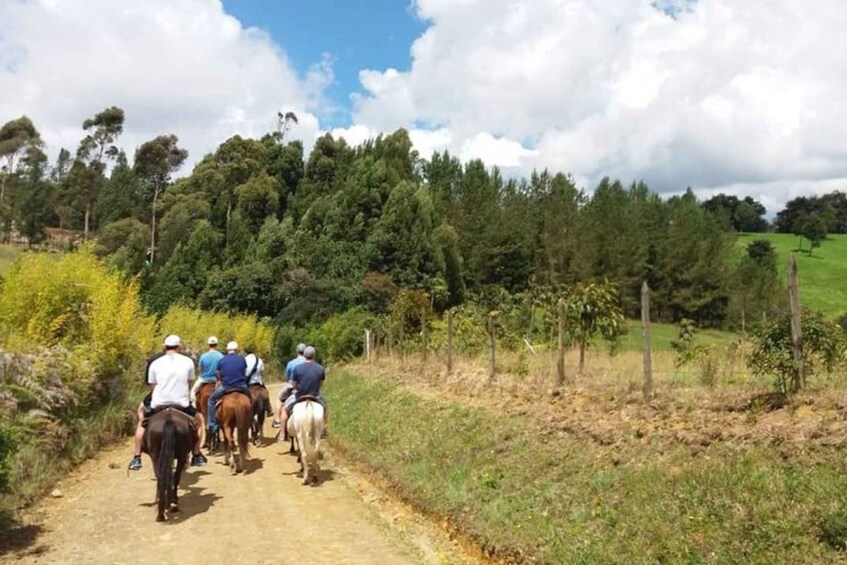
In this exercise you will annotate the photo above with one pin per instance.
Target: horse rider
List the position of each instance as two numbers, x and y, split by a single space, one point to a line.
232 372
288 387
308 378
208 367
255 370
169 375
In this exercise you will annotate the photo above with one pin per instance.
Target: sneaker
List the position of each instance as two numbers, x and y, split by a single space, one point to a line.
198 460
135 464
275 424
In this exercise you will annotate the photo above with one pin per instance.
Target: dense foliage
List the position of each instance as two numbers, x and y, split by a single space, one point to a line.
259 227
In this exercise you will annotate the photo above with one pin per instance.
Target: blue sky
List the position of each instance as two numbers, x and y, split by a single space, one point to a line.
356 34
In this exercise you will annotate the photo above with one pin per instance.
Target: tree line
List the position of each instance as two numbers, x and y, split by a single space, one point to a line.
260 227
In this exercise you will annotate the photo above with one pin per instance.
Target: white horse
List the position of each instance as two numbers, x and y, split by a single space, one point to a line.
306 426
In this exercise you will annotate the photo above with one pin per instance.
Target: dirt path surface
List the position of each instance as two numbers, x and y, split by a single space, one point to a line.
261 516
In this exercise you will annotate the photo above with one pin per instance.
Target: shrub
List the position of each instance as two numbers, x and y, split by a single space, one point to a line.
342 336
823 347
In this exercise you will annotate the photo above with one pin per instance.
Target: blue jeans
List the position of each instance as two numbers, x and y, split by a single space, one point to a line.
219 392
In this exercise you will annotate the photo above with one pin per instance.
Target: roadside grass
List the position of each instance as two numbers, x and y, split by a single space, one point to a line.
525 493
8 255
821 275
45 453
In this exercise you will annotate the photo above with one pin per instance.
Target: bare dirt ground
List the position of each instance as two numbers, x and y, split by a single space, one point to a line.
264 515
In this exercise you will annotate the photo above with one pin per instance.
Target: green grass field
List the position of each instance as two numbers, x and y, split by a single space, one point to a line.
822 276
661 336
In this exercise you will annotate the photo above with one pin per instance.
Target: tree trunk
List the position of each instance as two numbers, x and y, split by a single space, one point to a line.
87 216
153 228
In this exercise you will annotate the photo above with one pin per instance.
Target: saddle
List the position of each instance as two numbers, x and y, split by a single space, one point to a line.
230 391
306 397
188 414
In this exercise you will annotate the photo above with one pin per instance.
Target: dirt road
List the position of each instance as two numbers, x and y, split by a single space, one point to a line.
262 516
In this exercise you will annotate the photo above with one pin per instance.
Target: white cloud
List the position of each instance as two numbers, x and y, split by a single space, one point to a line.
174 67
746 95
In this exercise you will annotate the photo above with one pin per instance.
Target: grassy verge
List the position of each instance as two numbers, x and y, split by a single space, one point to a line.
547 497
45 452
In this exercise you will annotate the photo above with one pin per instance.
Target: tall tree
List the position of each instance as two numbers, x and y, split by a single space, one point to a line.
95 149
33 208
17 137
155 161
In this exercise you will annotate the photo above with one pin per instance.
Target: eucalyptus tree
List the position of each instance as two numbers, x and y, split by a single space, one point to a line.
155 161
95 150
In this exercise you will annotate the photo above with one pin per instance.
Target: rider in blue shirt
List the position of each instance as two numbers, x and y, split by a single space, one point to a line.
208 366
289 385
232 373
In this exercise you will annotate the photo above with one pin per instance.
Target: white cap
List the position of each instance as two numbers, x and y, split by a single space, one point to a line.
212 340
172 341
232 346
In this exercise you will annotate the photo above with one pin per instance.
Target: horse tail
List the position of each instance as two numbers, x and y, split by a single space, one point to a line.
243 421
309 434
164 466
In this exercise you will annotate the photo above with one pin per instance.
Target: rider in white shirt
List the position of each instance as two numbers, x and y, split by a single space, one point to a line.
255 368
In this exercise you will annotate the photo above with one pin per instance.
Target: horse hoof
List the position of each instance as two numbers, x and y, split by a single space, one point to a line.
173 509
160 518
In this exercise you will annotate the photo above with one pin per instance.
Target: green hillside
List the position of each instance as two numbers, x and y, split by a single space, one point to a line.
823 276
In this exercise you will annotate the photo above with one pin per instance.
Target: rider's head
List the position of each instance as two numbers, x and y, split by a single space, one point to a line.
172 343
213 342
232 347
248 349
309 353
301 347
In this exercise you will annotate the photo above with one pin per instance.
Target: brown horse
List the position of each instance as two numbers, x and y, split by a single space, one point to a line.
261 403
234 413
169 436
206 389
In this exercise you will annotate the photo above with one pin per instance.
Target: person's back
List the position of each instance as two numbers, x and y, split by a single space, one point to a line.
255 369
292 365
172 374
309 377
232 368
209 365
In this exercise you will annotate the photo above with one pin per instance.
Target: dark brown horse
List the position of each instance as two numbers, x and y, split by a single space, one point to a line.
261 402
234 414
209 441
169 436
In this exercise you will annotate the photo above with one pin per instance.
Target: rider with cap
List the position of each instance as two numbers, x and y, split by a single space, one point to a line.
208 367
288 387
169 376
308 378
232 370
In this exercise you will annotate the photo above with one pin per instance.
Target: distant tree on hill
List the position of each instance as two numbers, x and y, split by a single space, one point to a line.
745 215
831 207
814 229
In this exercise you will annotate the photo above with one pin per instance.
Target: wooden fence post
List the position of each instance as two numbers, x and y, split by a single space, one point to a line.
368 346
560 361
645 331
424 334
796 326
449 342
491 345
